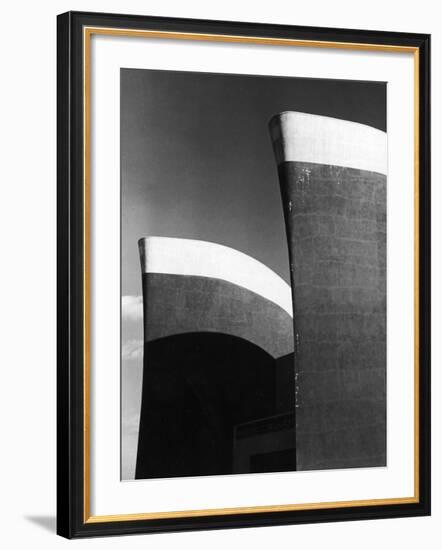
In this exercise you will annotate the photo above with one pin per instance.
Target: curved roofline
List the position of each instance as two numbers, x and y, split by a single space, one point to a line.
303 137
177 256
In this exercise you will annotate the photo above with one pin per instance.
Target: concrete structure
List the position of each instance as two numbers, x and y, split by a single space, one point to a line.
332 176
218 352
266 444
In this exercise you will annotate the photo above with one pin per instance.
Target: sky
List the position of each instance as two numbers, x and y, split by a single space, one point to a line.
197 162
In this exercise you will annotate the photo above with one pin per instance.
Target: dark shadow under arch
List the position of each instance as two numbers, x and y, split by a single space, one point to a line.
196 388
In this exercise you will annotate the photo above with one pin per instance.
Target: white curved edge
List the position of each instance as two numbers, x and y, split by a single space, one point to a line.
176 256
301 137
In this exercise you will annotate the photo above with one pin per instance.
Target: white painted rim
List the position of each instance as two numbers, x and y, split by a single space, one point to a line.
175 256
301 137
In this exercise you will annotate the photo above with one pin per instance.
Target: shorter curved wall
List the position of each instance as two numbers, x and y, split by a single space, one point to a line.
216 354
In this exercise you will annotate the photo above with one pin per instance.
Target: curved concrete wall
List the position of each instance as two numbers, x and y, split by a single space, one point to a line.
300 137
195 258
218 352
332 176
192 286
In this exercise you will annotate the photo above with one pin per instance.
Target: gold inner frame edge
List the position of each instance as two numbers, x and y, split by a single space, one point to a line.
87 33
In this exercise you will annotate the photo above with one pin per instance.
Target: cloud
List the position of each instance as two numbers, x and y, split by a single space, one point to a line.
132 349
132 308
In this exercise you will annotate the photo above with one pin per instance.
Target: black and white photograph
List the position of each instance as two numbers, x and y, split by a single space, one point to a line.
217 262
253 274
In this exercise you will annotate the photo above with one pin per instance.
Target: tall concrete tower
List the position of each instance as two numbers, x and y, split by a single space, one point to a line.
332 176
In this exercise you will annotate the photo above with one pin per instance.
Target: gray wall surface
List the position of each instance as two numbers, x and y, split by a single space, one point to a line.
176 304
336 226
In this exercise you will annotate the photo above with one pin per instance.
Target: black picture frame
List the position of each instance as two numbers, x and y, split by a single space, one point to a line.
73 520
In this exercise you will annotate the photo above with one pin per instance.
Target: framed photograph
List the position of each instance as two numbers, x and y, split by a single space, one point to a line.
243 274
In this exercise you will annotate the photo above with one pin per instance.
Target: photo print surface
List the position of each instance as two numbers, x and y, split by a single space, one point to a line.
253 274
